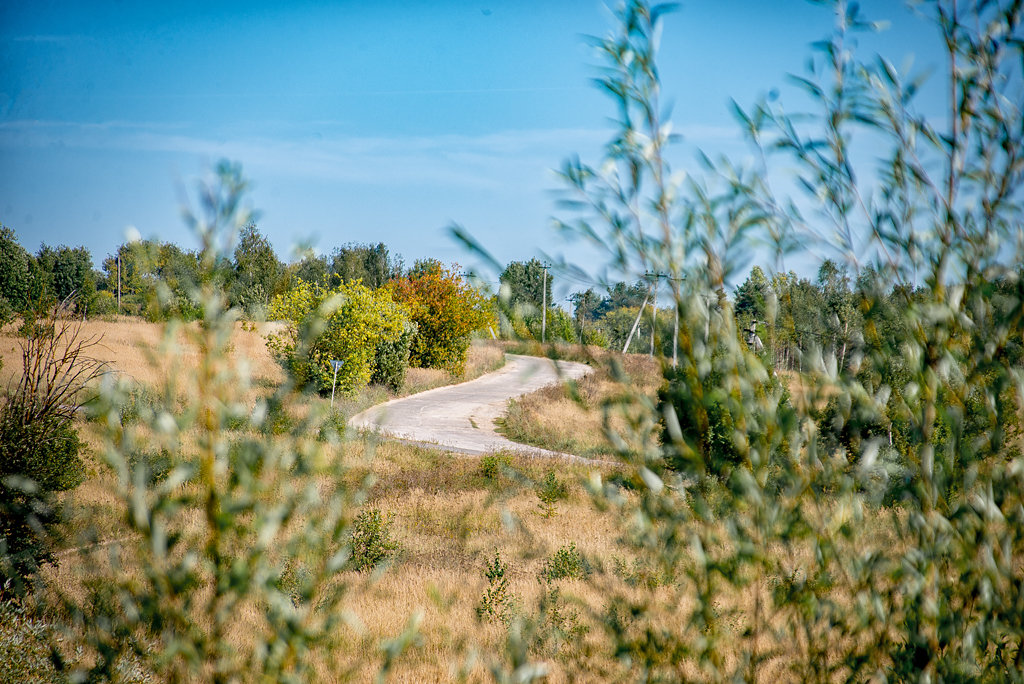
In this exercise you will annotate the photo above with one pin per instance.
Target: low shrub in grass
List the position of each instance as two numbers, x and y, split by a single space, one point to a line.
498 602
492 465
550 490
372 540
565 563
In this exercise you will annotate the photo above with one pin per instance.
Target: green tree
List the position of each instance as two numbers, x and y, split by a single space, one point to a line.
841 320
525 284
753 297
157 279
353 322
256 269
624 295
132 269
311 269
67 272
15 270
374 265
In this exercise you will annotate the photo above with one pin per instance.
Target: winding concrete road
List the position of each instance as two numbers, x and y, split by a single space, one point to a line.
461 417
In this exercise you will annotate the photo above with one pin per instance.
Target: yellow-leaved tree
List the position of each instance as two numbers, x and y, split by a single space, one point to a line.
354 324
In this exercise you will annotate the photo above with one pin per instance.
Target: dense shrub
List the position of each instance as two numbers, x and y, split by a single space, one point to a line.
565 563
392 359
347 323
699 419
372 540
39 447
446 310
594 336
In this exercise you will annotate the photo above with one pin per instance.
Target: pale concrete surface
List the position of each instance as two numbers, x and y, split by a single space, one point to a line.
461 417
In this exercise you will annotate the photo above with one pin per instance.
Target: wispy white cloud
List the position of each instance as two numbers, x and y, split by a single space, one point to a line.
492 162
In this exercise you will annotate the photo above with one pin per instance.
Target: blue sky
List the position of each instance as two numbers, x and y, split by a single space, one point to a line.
359 121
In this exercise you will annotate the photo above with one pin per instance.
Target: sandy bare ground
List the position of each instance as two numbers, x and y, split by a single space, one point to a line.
460 418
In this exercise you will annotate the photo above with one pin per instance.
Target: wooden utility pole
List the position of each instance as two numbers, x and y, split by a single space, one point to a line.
118 281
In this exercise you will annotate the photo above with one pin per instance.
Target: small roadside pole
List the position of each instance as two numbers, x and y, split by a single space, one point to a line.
336 365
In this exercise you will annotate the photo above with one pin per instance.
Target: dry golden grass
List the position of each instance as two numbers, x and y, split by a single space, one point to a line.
482 357
137 349
554 419
450 518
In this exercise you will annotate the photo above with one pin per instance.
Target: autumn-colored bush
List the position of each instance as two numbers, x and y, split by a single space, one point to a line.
355 322
446 309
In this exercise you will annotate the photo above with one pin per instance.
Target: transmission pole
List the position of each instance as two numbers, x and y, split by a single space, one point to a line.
675 330
654 310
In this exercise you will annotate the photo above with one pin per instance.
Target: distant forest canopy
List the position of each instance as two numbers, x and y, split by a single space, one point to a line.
783 314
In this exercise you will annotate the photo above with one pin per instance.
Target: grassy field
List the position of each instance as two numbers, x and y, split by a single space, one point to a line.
580 570
450 515
574 419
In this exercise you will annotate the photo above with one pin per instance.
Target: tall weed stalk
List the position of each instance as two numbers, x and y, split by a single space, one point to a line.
201 585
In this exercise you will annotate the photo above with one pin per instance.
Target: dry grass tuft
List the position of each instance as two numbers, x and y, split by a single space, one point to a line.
575 422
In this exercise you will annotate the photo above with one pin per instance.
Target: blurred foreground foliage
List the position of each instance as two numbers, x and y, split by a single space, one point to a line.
229 561
859 516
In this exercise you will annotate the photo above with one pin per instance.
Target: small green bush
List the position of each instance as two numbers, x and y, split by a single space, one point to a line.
296 581
559 627
640 573
498 603
372 541
104 303
492 465
550 490
595 337
277 420
36 459
156 465
140 404
25 641
565 563
332 429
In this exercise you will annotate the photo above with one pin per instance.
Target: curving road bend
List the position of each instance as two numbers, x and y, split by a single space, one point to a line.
461 417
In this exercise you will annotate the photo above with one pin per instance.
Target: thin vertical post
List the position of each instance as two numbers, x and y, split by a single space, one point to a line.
544 306
118 281
654 312
675 337
334 383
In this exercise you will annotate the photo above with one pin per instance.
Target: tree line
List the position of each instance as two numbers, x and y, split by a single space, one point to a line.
783 314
